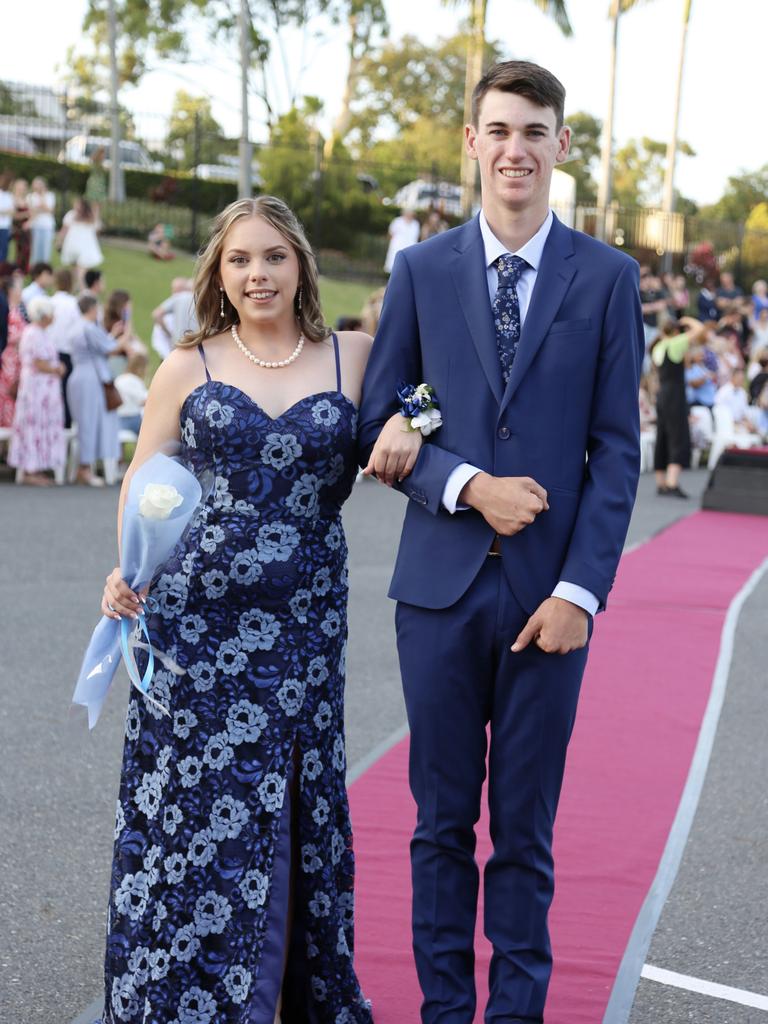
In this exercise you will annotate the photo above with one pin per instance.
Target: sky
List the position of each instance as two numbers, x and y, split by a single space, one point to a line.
723 92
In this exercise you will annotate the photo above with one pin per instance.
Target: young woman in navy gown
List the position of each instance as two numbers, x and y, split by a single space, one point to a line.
232 880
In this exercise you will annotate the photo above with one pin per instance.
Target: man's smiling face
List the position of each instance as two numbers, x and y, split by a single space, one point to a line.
516 143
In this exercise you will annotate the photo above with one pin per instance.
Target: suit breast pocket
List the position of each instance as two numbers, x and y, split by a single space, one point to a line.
570 326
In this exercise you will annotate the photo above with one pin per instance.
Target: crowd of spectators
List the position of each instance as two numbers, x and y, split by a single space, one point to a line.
63 353
701 371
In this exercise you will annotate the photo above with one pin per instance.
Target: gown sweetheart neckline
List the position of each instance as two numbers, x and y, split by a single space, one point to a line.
272 419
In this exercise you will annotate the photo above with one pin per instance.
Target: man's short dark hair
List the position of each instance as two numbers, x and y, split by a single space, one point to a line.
526 79
91 277
39 268
86 303
63 279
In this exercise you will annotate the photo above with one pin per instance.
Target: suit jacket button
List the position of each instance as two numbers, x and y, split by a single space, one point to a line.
504 433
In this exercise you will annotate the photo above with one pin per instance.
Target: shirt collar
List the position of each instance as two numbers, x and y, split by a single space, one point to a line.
532 250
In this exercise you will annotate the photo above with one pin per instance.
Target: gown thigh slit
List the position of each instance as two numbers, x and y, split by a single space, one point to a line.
245 773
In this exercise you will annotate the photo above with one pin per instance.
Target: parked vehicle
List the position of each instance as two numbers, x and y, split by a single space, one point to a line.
133 156
425 195
444 196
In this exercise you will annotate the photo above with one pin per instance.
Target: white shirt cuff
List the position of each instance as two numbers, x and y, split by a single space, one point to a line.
455 484
577 595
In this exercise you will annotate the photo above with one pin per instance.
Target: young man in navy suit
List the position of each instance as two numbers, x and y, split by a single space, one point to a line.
531 336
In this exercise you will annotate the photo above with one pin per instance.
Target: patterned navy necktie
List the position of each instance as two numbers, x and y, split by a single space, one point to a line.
506 310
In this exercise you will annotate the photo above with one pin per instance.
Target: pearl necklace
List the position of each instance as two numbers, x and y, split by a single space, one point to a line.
264 362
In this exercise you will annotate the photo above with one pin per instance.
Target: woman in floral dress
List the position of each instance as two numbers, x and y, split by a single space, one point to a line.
37 438
10 359
232 882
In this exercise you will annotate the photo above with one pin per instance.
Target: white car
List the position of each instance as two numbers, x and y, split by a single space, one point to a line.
133 156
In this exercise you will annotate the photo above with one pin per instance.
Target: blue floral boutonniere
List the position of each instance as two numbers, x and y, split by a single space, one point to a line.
420 408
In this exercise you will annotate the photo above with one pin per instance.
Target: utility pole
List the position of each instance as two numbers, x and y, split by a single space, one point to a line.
116 190
244 181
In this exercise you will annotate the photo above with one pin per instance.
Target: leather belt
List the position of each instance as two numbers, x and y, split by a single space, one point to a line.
495 548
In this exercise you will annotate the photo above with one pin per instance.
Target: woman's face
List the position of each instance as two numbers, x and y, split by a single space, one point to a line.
20 188
259 271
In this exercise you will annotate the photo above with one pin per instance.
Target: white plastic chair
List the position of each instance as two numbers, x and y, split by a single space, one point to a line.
727 436
647 446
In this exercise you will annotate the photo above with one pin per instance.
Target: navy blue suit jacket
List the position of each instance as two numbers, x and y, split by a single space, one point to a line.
568 417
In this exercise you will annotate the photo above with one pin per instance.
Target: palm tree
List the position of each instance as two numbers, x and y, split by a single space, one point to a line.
668 201
604 187
478 10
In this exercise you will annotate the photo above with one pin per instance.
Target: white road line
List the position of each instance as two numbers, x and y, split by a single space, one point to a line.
705 988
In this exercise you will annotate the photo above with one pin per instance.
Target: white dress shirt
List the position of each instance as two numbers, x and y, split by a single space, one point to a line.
531 252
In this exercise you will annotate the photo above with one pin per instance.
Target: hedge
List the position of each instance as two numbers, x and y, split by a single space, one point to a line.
176 188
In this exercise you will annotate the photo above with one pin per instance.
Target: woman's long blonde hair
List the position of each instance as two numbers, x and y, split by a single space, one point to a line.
207 282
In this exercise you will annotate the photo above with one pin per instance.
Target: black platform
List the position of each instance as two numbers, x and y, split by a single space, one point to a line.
739 482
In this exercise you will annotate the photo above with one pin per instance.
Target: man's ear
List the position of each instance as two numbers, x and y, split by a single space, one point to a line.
470 137
563 144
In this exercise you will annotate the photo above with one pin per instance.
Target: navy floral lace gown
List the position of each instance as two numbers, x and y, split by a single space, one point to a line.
250 617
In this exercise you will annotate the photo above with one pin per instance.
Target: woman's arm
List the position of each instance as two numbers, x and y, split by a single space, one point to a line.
160 431
395 451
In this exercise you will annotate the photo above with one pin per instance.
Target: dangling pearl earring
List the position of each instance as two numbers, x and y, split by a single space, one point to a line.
221 305
298 299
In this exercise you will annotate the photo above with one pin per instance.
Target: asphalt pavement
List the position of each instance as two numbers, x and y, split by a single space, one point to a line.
58 782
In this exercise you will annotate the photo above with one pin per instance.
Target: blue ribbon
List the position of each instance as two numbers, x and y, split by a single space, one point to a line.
141 683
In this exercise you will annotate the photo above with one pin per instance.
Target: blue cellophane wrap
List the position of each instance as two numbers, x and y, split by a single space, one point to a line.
146 546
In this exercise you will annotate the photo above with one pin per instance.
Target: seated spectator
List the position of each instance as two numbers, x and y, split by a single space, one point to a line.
349 323
759 378
653 297
37 440
372 311
700 383
133 391
734 397
42 279
433 225
760 331
174 318
759 298
159 241
728 295
677 289
707 304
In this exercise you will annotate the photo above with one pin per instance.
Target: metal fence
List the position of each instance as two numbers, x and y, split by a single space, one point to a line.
179 173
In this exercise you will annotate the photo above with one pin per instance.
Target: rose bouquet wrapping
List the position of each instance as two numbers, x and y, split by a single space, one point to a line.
162 498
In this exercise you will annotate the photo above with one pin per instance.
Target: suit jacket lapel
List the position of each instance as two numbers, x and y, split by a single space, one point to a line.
556 271
471 283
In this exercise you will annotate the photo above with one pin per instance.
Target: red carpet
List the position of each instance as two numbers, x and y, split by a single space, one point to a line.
644 695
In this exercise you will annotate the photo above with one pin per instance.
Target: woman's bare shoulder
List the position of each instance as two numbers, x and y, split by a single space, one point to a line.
356 343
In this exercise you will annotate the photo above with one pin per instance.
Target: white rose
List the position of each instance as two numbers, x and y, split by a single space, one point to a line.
427 421
158 501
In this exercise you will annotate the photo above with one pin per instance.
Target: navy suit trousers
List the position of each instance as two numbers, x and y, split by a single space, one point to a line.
459 677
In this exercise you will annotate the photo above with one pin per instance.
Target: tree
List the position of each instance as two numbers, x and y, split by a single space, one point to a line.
188 115
755 247
475 65
584 154
365 20
403 83
743 192
639 172
605 189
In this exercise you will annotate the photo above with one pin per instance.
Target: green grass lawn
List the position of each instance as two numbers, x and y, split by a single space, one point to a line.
149 283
